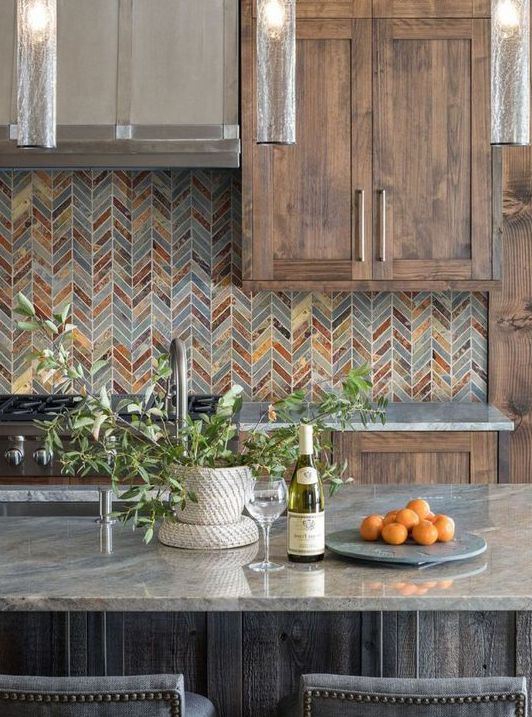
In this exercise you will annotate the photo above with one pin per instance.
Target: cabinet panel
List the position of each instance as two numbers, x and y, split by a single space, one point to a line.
432 150
418 458
307 198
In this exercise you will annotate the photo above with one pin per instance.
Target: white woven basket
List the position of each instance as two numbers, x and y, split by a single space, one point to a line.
221 494
215 522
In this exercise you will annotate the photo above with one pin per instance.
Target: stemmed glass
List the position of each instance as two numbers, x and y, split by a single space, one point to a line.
266 501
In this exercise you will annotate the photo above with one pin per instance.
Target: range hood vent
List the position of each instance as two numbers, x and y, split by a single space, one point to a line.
140 83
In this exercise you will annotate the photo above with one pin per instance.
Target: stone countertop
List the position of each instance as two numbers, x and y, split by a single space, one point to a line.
445 416
65 563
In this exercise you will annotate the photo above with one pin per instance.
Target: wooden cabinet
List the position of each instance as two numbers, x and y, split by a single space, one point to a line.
390 182
422 458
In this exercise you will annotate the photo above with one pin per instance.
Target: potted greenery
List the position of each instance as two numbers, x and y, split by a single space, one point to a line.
186 477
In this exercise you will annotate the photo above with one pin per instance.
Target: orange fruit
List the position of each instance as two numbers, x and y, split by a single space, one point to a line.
408 589
394 534
390 516
445 584
371 527
430 516
419 506
445 527
407 517
425 533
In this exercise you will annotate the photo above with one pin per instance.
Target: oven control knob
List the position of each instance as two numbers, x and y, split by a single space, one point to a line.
42 457
14 456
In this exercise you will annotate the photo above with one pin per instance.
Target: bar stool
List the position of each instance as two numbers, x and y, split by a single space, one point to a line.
136 696
341 696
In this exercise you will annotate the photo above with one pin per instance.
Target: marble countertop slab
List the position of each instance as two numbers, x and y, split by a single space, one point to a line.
445 416
67 564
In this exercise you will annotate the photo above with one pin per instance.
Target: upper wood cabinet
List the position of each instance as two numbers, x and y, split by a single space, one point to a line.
390 182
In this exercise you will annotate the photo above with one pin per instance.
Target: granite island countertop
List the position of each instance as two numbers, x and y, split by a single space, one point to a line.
444 416
65 564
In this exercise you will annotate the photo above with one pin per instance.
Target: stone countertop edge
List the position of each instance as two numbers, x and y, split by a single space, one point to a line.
444 416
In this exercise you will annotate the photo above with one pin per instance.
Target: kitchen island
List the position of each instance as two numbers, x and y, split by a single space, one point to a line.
70 606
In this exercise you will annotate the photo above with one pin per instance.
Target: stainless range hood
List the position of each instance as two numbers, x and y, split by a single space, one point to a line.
140 83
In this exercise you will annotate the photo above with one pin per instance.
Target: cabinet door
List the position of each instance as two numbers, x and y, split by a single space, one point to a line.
418 458
432 154
310 217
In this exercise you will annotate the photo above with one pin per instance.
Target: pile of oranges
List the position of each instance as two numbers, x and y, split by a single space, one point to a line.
415 521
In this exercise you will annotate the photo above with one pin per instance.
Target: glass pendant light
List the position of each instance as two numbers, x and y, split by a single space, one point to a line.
510 72
276 71
36 73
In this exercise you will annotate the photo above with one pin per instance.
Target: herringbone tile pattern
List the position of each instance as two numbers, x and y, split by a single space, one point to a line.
144 255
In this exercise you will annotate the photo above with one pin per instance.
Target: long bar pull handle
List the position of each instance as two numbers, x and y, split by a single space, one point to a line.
361 225
383 225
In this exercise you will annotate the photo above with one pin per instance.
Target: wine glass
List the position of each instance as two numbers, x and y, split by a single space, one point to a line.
266 501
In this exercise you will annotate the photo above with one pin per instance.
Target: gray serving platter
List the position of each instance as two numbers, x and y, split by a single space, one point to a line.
349 544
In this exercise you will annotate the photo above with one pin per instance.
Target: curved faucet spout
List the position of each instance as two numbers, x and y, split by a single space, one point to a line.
178 378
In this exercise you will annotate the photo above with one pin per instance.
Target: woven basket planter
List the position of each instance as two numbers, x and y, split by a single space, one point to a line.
216 520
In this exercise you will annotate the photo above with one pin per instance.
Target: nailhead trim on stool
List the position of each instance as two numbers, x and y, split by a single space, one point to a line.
311 695
174 701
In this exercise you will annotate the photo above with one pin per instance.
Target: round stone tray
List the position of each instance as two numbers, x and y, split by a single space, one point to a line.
349 544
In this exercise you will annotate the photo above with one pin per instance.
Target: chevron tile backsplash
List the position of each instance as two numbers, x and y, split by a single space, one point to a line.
143 255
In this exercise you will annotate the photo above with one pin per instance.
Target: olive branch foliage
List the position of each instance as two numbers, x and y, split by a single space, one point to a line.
140 455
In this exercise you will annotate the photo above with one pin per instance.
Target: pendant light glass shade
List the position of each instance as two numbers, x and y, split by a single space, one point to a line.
510 72
276 71
36 73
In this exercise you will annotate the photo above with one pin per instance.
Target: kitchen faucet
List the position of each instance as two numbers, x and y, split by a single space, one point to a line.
178 378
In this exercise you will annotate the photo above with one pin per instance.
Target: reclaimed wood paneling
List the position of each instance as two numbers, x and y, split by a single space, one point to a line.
246 662
466 644
510 335
34 643
279 647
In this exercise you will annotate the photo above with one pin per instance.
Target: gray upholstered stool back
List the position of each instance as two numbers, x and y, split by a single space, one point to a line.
337 696
137 696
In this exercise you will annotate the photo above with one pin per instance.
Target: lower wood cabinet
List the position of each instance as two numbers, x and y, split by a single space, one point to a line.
420 457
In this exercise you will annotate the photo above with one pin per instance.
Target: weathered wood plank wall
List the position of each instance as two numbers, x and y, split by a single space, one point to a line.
246 662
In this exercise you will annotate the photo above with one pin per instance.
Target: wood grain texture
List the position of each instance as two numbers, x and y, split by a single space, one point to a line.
433 161
510 335
158 642
224 662
279 647
418 458
423 8
252 660
399 644
484 458
34 643
360 285
315 9
463 644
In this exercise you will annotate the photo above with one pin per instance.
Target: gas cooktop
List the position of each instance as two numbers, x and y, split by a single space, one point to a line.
31 407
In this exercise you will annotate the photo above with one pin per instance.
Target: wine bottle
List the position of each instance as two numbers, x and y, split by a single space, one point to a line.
306 504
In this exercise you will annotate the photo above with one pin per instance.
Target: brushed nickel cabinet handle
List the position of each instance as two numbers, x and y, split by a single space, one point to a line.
383 224
361 225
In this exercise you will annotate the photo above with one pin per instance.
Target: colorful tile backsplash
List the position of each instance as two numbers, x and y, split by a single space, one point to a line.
143 255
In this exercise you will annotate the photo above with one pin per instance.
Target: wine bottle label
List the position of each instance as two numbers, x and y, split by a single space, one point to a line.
306 533
307 476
